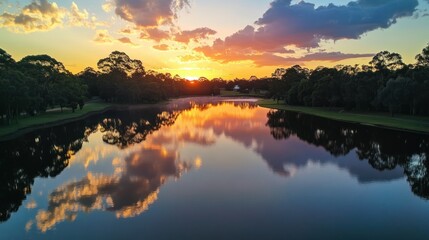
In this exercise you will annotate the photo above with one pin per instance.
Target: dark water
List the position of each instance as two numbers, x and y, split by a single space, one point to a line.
209 169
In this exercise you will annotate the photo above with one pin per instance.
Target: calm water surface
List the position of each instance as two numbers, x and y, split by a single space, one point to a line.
204 168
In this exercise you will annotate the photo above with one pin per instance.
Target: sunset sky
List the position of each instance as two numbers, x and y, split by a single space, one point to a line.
222 38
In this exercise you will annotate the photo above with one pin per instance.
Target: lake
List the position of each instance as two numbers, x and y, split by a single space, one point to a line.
213 168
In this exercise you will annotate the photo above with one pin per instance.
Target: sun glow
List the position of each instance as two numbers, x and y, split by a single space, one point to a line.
191 78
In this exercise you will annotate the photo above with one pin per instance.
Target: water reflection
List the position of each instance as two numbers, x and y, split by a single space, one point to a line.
383 149
126 131
128 193
44 154
141 150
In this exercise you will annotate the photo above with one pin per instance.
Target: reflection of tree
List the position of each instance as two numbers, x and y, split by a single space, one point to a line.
45 153
333 138
42 154
383 149
128 195
126 131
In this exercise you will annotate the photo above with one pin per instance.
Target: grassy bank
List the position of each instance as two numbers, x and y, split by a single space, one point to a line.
226 93
49 118
409 123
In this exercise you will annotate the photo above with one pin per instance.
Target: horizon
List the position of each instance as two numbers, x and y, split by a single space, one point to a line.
189 38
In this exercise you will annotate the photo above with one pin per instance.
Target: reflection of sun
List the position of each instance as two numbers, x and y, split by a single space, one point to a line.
198 162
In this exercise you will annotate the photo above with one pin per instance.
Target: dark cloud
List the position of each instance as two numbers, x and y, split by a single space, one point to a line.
304 25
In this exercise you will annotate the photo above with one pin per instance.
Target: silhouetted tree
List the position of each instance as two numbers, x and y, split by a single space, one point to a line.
423 57
121 62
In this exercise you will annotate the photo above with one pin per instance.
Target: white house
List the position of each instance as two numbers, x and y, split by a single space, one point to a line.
236 88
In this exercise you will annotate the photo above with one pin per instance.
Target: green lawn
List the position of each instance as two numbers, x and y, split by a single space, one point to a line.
50 117
226 93
411 123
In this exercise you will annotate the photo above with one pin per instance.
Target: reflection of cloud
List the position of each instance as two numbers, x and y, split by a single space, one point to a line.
29 225
90 155
139 207
204 125
198 162
128 192
337 140
31 204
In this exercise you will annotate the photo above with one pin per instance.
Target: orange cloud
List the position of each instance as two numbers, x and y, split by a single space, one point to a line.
194 35
103 36
162 47
126 40
155 34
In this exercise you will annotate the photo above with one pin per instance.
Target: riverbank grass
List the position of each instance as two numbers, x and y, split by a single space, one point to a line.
51 117
226 93
409 123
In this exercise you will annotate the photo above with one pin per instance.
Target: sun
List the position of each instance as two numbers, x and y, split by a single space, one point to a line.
191 78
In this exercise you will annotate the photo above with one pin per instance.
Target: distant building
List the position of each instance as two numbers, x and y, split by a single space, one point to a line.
236 88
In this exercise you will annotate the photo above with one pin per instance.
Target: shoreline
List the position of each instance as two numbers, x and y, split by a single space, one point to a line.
17 131
412 124
9 132
418 125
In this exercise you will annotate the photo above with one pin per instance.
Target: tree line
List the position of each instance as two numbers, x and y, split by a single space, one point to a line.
386 84
36 83
122 79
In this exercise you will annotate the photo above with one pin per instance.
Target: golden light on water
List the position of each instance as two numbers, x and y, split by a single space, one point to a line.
140 170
